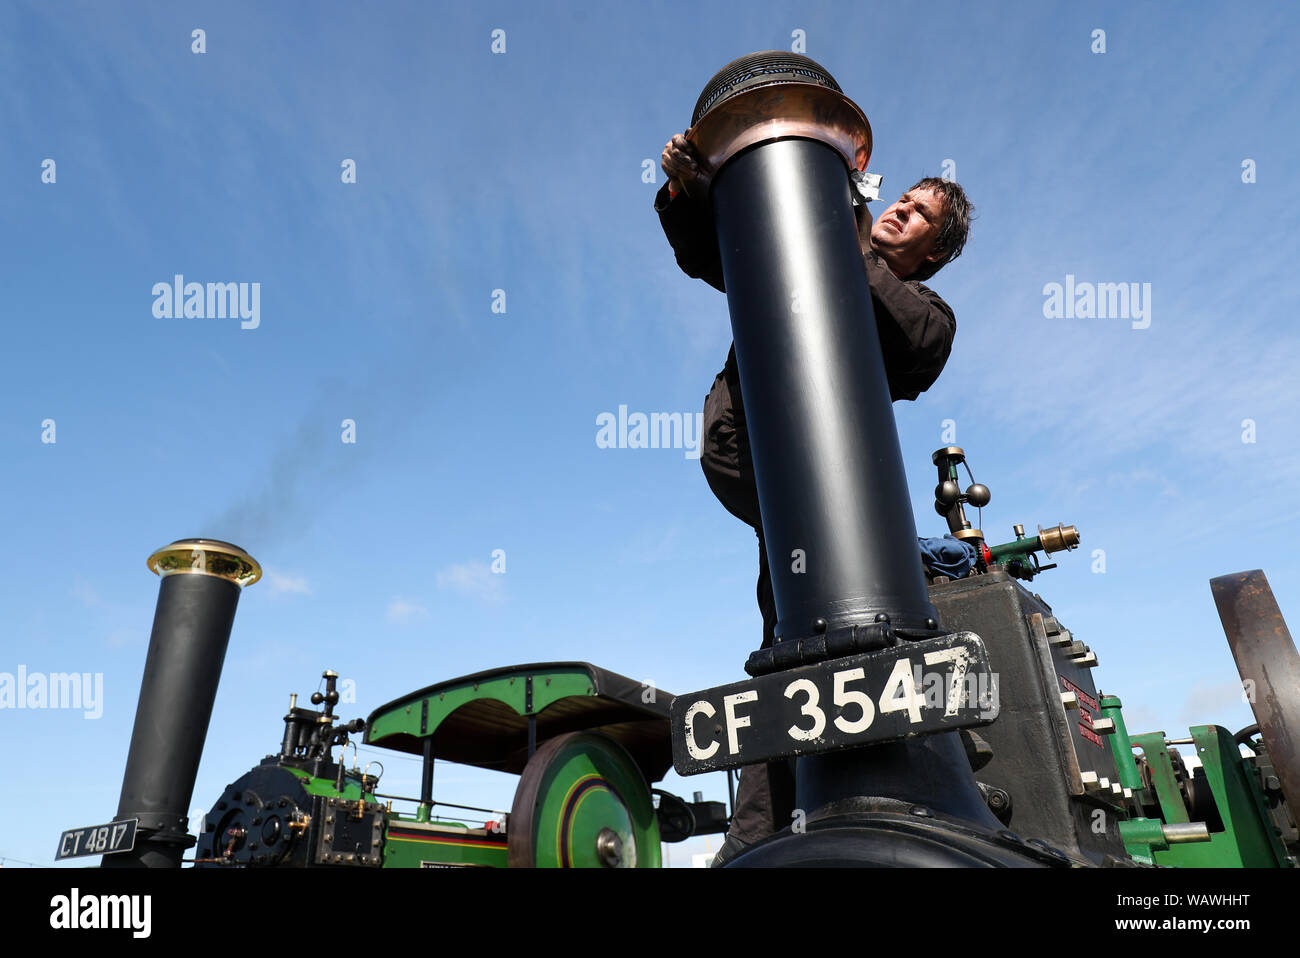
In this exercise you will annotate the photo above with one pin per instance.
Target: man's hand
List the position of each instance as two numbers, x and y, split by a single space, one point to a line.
684 168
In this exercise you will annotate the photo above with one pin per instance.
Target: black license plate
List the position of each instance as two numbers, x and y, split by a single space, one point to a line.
107 839
910 689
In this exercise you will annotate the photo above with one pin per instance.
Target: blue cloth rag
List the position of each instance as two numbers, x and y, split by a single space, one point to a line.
948 556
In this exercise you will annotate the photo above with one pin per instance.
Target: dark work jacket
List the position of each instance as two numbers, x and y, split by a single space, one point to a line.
916 329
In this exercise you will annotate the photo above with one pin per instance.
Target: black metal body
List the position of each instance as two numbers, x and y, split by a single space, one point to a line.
187 647
931 771
267 818
1049 759
891 834
827 462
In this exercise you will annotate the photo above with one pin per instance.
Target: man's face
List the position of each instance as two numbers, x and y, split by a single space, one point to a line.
904 235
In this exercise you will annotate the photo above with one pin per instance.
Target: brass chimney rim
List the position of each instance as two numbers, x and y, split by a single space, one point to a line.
214 557
782 111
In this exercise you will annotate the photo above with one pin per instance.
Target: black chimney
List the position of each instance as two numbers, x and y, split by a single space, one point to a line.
780 143
201 582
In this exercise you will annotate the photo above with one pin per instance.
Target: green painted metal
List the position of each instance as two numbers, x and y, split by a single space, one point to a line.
1020 549
1120 745
1142 838
1163 778
420 845
548 687
591 785
1248 839
1018 557
620 800
325 786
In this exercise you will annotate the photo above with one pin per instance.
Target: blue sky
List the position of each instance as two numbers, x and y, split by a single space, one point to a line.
522 171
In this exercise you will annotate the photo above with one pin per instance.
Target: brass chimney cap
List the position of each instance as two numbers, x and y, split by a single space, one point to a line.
764 68
776 95
206 557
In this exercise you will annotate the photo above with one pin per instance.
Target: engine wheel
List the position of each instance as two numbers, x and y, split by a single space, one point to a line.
582 802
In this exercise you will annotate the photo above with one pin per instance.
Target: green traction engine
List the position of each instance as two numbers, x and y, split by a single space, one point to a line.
585 742
1051 758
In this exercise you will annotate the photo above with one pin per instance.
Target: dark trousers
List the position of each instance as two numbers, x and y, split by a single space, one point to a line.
765 796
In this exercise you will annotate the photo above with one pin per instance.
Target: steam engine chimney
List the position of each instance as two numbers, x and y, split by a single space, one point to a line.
781 142
201 582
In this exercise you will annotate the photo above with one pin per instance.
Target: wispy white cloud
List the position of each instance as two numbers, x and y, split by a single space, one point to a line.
473 579
281 584
1208 701
405 611
1140 718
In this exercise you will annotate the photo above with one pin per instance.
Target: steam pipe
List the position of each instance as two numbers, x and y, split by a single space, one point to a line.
201 583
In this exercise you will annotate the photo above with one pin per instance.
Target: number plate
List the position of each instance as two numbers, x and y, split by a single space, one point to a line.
910 689
98 839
